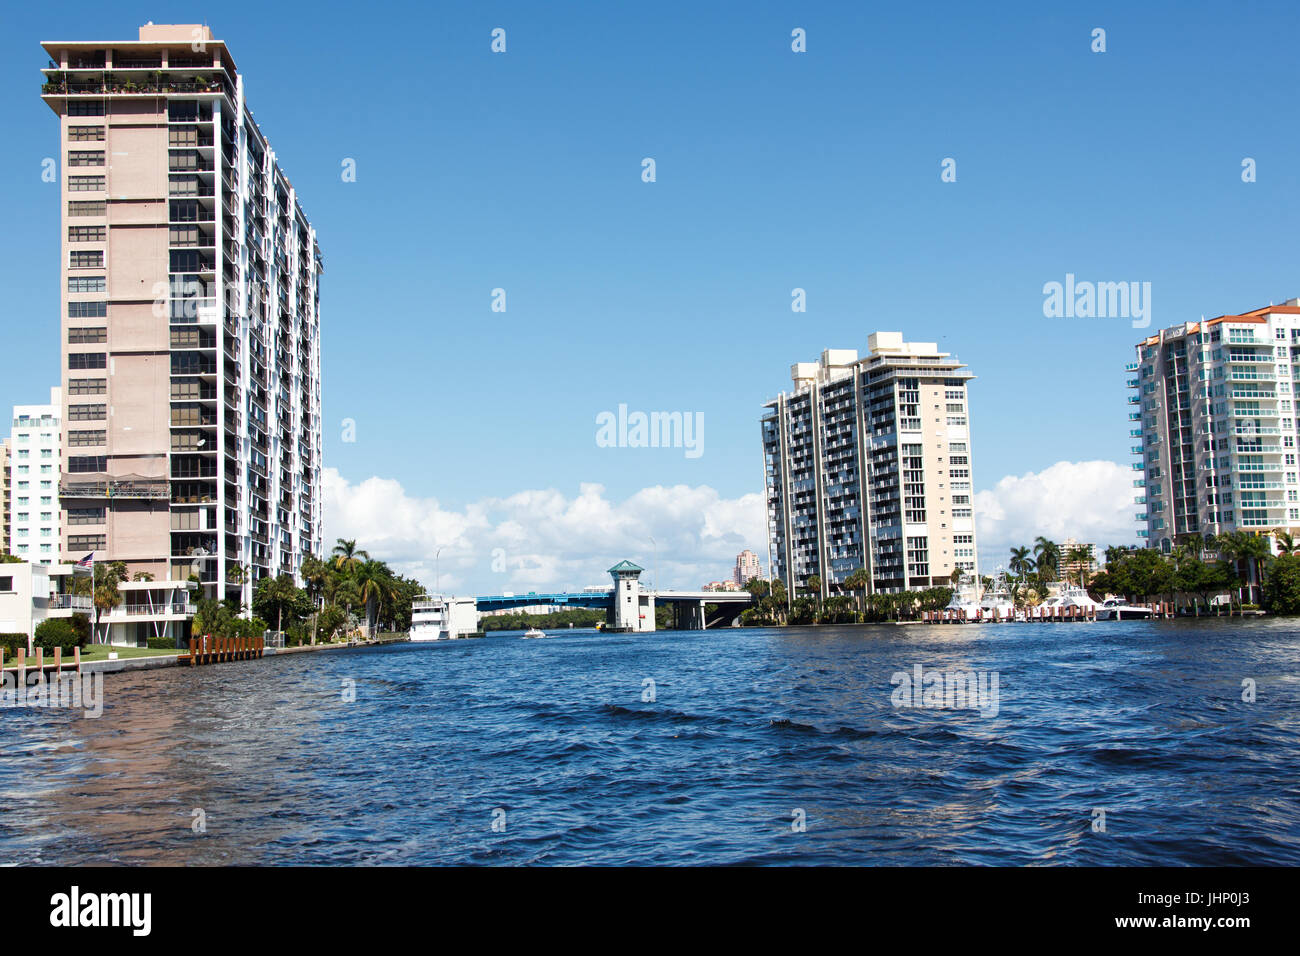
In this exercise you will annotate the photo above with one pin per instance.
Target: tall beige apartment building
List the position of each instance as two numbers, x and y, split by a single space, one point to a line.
190 309
867 464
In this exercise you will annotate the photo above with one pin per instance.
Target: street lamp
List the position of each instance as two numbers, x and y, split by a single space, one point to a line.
654 545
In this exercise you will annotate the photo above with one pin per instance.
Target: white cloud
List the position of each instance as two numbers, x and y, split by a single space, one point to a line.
1088 500
542 538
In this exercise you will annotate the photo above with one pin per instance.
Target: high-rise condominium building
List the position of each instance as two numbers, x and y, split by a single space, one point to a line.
868 465
747 567
1213 417
33 481
4 497
191 318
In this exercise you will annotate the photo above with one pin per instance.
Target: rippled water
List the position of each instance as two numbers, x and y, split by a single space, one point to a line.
1143 720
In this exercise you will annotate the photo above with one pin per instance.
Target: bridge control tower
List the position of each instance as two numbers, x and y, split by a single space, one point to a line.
633 610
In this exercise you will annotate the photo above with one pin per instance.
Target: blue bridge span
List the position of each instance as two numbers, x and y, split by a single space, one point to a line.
506 602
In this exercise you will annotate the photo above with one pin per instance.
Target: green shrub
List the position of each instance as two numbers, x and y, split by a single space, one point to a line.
11 642
56 632
161 643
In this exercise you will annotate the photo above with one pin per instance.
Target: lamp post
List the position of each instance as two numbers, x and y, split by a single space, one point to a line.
655 546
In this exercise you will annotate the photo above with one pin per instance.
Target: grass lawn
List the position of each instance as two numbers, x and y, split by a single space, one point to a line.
94 652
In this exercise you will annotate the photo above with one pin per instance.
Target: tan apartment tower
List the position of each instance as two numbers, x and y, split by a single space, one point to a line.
867 464
190 307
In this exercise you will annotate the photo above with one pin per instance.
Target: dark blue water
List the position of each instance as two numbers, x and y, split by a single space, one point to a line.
1142 720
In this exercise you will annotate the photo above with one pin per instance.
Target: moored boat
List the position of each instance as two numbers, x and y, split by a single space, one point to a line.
1117 609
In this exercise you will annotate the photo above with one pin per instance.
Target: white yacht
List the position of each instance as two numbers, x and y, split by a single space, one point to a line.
966 597
1070 595
997 599
439 618
1117 609
534 632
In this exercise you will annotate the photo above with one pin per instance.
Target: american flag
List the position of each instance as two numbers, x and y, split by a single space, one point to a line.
87 561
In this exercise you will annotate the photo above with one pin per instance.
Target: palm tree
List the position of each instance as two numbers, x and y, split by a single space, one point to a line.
1021 563
1286 544
237 574
347 556
376 585
1047 557
814 584
106 595
280 592
1242 547
859 581
211 617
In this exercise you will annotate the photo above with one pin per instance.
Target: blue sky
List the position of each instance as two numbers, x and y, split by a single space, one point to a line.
775 170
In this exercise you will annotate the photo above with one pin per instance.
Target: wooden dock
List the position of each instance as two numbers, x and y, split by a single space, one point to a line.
217 650
55 666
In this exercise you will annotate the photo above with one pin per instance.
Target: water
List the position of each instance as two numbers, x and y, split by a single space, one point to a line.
1143 720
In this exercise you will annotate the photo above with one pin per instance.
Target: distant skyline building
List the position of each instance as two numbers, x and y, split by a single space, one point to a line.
32 481
867 464
747 567
1069 570
1212 415
189 296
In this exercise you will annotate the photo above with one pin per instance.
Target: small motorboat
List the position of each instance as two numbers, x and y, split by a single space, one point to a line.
533 632
1117 609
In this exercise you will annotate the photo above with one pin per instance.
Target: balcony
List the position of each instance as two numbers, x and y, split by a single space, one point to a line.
70 602
125 487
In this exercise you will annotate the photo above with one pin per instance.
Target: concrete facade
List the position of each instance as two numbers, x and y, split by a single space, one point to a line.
190 319
867 464
1212 415
32 481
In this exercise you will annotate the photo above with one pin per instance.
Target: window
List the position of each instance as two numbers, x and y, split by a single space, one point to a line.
78 207
86 134
87 386
81 439
86 259
87 360
85 107
86 413
85 184
86 516
86 542
87 310
86 284
81 464
86 157
95 336
87 233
